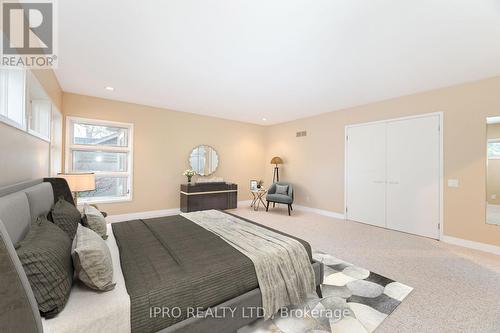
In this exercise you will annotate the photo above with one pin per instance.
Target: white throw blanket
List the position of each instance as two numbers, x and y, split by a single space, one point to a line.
282 265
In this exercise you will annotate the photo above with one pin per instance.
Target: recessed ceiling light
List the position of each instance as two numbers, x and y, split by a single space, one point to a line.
264 119
109 88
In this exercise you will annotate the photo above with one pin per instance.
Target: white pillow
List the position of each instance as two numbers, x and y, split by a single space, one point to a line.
92 260
95 221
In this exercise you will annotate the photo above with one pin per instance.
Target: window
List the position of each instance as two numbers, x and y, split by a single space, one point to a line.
12 97
494 149
39 110
106 149
40 117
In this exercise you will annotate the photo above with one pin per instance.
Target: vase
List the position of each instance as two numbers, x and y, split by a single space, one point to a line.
189 179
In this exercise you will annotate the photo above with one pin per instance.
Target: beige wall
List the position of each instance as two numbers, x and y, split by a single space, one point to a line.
493 184
315 164
23 156
48 80
163 140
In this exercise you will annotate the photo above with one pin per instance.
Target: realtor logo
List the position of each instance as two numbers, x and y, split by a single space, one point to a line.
28 34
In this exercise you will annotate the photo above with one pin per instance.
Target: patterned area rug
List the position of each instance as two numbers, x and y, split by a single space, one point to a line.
354 300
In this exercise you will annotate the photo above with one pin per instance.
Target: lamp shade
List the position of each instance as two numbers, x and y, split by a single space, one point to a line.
79 182
276 160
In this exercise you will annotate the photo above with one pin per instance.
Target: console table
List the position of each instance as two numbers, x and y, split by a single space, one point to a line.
203 196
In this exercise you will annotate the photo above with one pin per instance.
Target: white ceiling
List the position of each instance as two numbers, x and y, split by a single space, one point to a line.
280 60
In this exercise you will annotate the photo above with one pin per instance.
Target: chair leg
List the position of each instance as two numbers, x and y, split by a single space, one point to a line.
319 292
267 207
274 204
289 209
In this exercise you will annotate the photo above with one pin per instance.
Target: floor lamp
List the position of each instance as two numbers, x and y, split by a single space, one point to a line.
276 161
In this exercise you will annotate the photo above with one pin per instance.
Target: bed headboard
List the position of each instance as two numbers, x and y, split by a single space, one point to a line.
20 204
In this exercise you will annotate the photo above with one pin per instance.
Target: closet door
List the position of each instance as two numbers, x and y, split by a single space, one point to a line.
413 176
366 168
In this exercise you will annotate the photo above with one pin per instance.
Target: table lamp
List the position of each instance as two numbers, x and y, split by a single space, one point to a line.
79 182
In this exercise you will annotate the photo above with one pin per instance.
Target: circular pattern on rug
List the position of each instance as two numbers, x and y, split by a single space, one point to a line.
335 291
397 290
335 303
338 279
356 272
365 288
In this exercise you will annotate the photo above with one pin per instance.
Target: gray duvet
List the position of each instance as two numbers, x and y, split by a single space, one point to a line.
171 262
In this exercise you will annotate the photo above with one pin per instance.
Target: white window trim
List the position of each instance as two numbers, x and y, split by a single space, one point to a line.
69 146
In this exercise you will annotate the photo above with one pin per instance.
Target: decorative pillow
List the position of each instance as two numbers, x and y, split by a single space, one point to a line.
282 189
45 254
66 216
95 221
92 260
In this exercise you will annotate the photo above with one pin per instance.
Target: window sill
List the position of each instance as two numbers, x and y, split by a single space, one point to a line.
22 128
12 123
38 135
108 200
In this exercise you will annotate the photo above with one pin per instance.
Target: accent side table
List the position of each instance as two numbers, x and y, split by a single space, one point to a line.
257 198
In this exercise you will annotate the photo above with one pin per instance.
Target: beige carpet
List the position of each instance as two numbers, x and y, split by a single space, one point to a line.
455 289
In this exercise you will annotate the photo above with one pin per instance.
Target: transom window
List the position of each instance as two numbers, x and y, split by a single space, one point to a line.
13 97
494 149
104 148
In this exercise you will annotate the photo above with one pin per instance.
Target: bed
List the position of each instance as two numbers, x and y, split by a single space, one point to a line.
192 267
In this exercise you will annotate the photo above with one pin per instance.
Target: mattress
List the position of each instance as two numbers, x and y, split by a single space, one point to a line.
91 311
172 263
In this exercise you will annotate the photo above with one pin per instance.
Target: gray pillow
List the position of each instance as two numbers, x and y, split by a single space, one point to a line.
66 216
95 221
92 260
282 189
45 254
17 299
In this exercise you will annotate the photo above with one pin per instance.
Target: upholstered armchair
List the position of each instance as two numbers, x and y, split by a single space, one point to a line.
281 193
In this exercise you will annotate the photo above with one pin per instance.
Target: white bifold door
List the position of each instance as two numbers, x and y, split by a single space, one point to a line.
393 174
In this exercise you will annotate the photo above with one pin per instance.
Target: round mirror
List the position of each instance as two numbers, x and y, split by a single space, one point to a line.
204 160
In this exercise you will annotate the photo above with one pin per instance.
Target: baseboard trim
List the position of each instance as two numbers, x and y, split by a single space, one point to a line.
323 212
155 213
142 215
471 244
174 211
244 203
